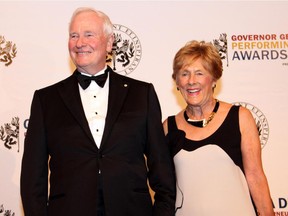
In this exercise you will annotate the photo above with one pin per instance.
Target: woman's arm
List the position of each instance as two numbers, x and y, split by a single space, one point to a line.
251 154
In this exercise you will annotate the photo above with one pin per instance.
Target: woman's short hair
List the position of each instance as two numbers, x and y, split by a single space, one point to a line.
194 50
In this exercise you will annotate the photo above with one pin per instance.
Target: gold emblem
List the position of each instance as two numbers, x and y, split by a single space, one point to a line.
8 51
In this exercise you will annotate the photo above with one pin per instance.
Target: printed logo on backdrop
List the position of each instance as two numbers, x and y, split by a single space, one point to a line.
261 121
8 51
6 212
126 51
253 47
9 134
222 45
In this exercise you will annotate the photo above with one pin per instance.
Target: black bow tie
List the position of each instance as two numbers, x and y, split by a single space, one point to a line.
85 81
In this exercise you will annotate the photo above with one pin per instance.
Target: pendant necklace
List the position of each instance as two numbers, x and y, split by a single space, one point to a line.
202 123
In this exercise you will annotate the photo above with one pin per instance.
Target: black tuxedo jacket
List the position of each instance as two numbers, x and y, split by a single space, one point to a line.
59 139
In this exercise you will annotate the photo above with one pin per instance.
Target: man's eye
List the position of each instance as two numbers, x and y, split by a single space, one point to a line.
73 36
89 35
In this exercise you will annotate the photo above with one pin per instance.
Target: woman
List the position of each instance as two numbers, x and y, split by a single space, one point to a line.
215 145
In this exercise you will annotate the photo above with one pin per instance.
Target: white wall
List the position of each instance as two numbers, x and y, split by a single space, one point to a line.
39 31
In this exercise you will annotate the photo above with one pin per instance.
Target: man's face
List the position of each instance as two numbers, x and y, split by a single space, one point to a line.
88 45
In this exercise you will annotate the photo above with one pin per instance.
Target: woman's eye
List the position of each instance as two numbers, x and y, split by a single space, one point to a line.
184 74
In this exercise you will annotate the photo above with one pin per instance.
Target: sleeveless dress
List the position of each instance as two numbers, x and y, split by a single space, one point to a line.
210 176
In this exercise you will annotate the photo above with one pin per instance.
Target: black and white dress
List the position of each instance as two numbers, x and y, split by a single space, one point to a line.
210 176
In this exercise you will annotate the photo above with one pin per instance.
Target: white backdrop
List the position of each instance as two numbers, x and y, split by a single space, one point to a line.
255 72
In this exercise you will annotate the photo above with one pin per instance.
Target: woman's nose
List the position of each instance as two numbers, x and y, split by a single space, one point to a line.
191 79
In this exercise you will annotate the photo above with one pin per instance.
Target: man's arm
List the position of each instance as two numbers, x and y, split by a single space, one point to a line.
34 171
160 164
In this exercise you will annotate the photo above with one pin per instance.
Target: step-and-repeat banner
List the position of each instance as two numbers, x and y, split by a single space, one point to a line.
252 38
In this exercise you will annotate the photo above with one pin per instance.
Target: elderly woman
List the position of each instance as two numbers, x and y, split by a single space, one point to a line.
215 145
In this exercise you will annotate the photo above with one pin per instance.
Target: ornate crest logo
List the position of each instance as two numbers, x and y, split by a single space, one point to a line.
126 51
10 133
8 51
6 212
261 122
221 45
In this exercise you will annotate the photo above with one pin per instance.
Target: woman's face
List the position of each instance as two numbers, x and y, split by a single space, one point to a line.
195 84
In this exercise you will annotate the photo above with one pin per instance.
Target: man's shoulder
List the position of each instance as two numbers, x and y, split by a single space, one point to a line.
130 80
57 84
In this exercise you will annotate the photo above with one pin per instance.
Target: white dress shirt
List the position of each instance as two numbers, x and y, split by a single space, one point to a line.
95 103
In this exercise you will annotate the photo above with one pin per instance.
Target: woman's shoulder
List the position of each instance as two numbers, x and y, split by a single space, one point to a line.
245 116
225 105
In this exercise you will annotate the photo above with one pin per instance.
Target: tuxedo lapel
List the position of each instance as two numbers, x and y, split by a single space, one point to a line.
69 91
118 89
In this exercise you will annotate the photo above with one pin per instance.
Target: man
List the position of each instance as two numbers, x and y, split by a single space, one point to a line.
92 140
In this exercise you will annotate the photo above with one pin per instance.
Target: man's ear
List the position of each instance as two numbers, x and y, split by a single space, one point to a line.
110 41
